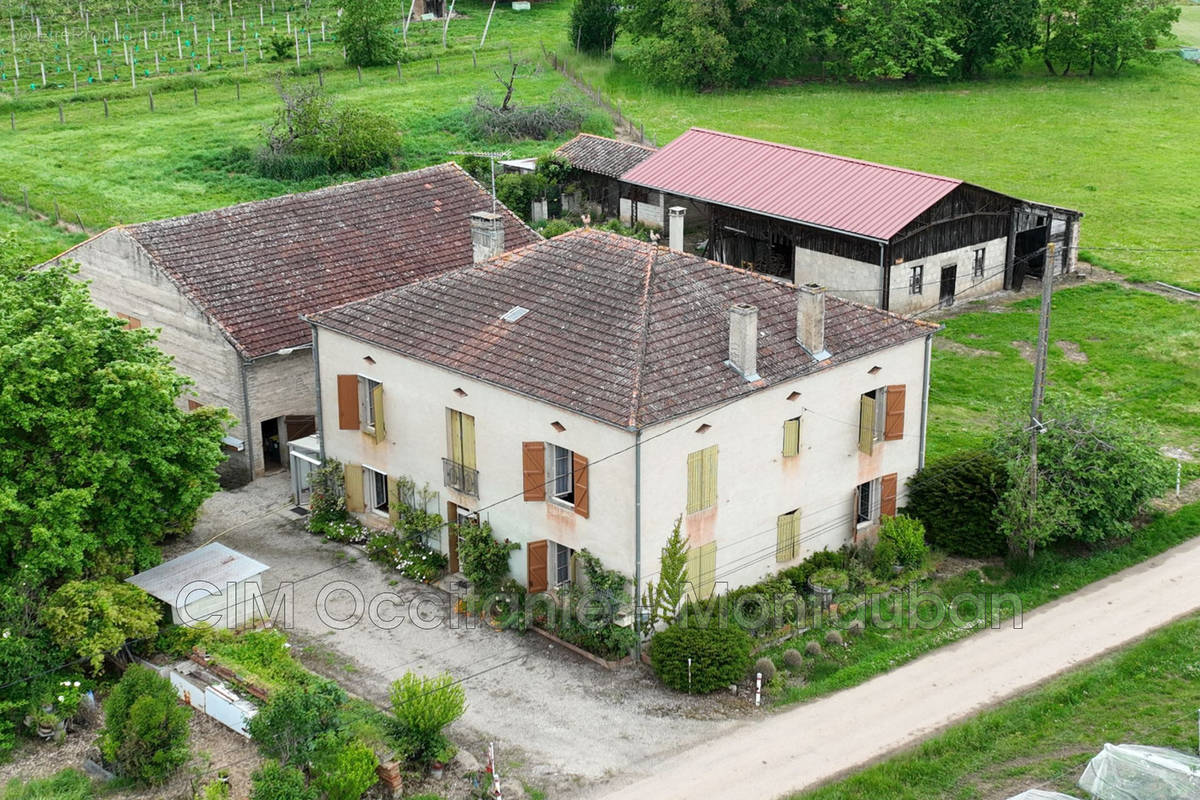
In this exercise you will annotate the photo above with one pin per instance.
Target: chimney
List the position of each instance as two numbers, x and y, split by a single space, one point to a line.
810 320
487 235
743 340
675 227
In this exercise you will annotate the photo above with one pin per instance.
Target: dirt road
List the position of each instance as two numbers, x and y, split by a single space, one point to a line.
816 742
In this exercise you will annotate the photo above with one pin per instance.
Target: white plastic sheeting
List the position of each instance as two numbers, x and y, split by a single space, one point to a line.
1135 772
1039 794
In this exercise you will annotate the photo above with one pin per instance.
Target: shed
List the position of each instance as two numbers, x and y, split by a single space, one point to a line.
212 584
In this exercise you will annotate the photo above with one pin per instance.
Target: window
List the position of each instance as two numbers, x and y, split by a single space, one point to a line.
916 283
791 437
130 322
564 560
360 405
980 258
702 479
375 490
866 502
194 404
702 570
787 538
881 416
461 430
368 398
562 474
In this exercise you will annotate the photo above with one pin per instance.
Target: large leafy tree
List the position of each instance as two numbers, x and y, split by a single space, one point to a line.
1085 34
367 31
593 25
97 462
898 38
994 32
96 618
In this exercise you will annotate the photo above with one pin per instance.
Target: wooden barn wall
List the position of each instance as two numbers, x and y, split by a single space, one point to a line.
966 216
775 230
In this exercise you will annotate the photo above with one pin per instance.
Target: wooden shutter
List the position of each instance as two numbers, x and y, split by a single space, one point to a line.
695 481
866 423
467 427
354 488
708 569
580 467
377 423
347 386
393 499
533 467
710 477
791 437
887 495
693 572
536 566
854 512
787 526
893 424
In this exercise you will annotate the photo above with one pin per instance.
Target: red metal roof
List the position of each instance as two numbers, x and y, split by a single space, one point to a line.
844 194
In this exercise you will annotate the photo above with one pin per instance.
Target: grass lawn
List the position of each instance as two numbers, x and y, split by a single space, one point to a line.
69 784
1052 575
1146 694
1188 27
43 240
1141 348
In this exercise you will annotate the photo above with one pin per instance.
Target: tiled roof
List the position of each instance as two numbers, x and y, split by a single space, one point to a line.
255 268
604 156
617 328
843 194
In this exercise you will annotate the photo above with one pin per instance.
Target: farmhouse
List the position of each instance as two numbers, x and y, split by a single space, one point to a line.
599 163
894 238
588 390
228 287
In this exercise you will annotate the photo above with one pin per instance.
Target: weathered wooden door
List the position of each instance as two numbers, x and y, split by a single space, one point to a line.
536 565
949 278
452 533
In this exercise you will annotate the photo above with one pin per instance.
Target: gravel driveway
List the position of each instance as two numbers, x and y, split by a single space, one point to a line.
558 720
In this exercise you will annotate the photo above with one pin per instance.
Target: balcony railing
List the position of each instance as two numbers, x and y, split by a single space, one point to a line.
460 477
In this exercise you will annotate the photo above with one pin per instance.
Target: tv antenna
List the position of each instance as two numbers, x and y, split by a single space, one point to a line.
491 157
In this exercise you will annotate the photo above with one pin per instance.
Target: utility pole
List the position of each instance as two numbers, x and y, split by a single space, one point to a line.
1039 382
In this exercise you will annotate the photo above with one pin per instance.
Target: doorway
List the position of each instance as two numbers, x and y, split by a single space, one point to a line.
270 445
455 516
949 277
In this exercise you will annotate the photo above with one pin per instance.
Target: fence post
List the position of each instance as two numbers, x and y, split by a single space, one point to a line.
12 119
320 77
359 68
25 195
60 114
474 63
105 101
195 96
399 73
437 63
79 219
57 215
150 94
239 90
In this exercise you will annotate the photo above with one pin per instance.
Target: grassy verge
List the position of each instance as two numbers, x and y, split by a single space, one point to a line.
42 239
69 784
1147 693
1052 575
1135 349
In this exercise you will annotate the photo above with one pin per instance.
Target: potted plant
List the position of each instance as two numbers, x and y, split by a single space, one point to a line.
826 582
441 757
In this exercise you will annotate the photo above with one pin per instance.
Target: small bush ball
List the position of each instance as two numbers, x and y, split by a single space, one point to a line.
833 638
857 627
793 660
766 667
812 649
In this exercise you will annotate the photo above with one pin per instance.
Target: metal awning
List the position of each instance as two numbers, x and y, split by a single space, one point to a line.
214 563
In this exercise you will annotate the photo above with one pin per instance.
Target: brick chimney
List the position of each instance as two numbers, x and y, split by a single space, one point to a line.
810 320
743 340
487 235
675 227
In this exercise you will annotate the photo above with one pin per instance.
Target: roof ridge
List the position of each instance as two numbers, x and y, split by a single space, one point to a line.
823 154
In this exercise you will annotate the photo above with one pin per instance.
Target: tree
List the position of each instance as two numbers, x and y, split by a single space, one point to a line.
145 733
1097 470
994 32
366 31
682 42
1078 34
97 462
898 39
343 770
96 618
422 708
663 600
287 728
593 25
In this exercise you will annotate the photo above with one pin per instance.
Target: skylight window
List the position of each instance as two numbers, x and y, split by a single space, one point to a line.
514 313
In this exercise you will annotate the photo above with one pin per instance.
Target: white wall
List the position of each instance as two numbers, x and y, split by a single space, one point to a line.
966 284
755 483
852 280
650 214
280 385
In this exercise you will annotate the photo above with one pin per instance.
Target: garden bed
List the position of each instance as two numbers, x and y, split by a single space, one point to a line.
595 659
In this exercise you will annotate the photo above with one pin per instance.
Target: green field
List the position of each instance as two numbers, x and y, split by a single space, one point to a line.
1188 27
1141 353
1145 694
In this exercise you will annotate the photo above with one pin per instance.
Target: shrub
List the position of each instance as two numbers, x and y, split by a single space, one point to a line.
409 555
422 708
765 667
593 25
281 47
366 31
96 618
822 559
792 659
358 140
483 560
343 770
66 784
287 728
719 656
812 649
834 639
275 781
956 497
557 227
145 735
857 627
830 578
901 542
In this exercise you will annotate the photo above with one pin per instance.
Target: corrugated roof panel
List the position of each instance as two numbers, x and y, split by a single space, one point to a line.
846 194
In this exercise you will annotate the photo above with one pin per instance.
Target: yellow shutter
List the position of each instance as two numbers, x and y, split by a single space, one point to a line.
377 400
708 569
791 437
456 454
468 440
787 530
710 477
693 572
866 423
354 488
393 499
695 481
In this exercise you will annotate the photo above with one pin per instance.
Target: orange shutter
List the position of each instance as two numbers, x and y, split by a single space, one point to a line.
533 466
581 484
887 495
348 402
537 570
893 423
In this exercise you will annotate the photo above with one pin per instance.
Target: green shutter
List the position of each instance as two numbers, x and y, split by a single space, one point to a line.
787 532
695 481
693 572
708 569
354 488
791 437
866 423
710 477
468 440
377 401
